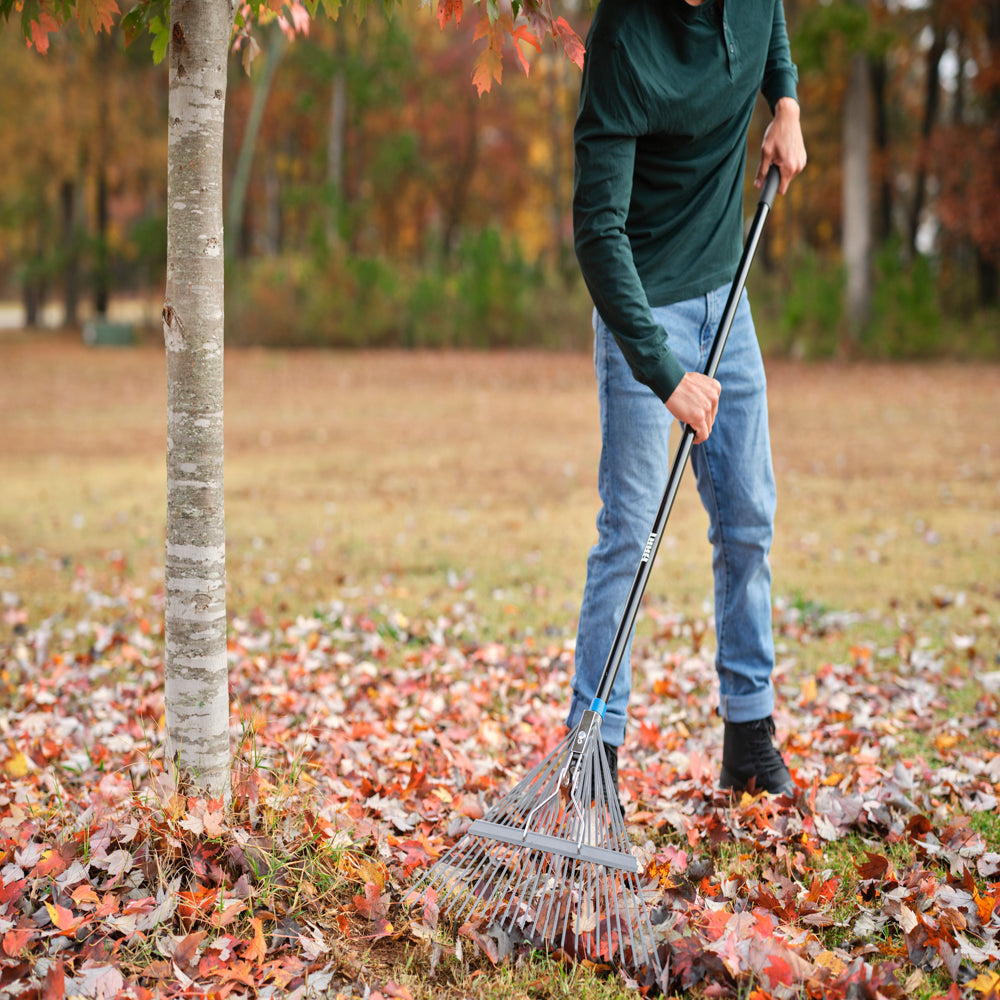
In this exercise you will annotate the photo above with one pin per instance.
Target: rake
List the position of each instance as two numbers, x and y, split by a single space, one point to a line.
551 862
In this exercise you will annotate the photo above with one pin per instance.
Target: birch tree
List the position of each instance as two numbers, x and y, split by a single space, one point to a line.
196 695
196 36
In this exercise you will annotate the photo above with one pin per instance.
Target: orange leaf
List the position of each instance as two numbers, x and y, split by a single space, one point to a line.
765 923
40 31
52 863
229 914
947 741
63 918
489 67
14 941
194 903
985 905
484 27
373 904
257 948
571 41
237 971
522 34
108 906
448 9
85 894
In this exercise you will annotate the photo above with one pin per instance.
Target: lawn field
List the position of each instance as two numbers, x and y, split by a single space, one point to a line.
407 536
404 470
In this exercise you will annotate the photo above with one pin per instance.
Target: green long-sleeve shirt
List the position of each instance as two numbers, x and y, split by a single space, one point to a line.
666 99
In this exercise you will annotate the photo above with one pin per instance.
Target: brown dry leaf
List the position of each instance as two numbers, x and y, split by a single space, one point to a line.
360 868
830 960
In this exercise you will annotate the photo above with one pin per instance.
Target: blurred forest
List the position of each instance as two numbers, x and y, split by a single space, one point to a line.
373 199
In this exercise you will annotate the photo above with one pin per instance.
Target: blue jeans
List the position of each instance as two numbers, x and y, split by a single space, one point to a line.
736 485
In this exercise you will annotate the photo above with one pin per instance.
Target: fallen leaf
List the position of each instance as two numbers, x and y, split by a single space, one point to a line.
256 950
16 940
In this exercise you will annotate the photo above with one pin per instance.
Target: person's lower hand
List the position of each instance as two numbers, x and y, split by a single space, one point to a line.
695 402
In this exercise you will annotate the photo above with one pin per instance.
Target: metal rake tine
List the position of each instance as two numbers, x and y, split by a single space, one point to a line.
463 891
560 901
540 889
506 912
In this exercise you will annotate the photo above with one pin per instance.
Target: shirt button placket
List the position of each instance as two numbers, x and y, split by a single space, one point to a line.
730 47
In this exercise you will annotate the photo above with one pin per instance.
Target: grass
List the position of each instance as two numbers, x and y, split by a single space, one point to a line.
411 473
424 482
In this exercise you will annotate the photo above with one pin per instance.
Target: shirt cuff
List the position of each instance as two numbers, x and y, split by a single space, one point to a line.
667 375
781 85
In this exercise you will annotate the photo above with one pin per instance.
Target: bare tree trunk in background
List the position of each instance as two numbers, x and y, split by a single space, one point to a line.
880 79
856 194
71 252
335 144
274 50
102 280
932 98
197 690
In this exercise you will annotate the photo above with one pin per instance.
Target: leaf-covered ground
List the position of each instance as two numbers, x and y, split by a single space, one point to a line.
368 741
407 536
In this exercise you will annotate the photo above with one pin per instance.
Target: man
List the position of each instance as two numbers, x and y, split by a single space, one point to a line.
668 91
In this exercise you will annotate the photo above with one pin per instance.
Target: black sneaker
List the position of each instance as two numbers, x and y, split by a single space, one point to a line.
611 752
751 761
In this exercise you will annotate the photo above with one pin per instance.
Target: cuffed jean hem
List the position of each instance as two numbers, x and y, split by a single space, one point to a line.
612 727
747 707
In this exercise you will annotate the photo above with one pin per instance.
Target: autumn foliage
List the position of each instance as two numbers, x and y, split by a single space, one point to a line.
373 741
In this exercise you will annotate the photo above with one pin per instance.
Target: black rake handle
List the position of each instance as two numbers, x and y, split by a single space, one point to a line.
631 611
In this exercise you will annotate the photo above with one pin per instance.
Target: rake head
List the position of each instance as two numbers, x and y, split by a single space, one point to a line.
551 862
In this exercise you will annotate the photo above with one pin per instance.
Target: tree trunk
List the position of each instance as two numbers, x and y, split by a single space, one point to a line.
989 280
274 50
71 254
102 279
196 691
336 142
856 194
932 91
880 80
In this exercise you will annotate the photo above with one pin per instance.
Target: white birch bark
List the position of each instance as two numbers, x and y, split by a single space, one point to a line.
196 677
